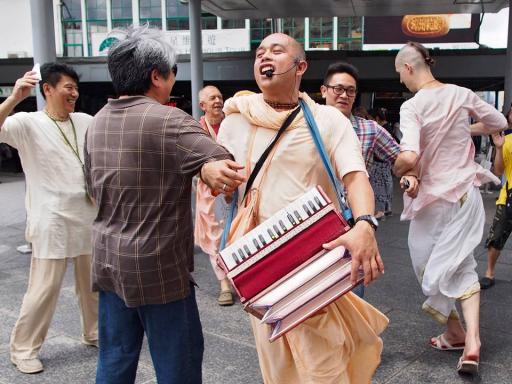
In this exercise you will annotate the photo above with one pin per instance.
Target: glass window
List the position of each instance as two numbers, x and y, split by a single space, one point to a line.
71 28
350 33
233 23
121 13
259 29
96 20
320 32
151 12
208 21
294 27
177 15
70 10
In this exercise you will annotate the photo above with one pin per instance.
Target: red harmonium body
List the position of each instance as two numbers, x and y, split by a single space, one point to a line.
280 270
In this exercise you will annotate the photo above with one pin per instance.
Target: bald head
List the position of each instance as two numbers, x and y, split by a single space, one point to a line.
415 55
296 48
211 102
205 92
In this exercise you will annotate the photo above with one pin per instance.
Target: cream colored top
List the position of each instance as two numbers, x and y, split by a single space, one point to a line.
59 218
296 166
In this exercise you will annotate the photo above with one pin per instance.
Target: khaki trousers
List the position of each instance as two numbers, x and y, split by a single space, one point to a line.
39 304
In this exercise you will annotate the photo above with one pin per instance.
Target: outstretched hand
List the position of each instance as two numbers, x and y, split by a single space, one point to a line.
222 176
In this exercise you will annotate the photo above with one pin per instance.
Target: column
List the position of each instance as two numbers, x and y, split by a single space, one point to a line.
508 62
43 36
135 13
335 33
164 15
306 33
196 54
85 40
108 3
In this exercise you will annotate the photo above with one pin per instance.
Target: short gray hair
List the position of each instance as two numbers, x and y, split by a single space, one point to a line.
131 59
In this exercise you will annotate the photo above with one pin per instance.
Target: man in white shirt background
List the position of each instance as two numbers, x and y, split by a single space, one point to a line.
59 212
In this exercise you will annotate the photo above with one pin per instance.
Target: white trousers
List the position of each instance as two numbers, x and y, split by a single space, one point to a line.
442 238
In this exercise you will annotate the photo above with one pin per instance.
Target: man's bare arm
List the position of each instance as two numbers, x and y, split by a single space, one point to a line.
499 141
360 240
405 163
21 91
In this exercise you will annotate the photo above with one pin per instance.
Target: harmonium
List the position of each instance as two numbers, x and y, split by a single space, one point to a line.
280 270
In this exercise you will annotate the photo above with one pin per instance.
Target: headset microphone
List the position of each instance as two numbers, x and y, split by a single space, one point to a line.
269 73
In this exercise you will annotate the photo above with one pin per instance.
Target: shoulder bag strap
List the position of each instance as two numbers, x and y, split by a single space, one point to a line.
233 206
265 154
345 209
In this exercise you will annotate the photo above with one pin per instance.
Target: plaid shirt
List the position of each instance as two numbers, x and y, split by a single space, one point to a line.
375 141
140 157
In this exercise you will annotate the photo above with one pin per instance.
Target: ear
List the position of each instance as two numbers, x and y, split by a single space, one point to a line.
323 90
46 89
155 78
302 66
201 105
408 67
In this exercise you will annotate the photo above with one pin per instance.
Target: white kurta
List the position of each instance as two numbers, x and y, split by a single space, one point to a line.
341 343
59 218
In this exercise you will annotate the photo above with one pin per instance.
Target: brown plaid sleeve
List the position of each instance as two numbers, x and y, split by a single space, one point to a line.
195 147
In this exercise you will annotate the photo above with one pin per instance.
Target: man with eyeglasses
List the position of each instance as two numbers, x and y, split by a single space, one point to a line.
339 90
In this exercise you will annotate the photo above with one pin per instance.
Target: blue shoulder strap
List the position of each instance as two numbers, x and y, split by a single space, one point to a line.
229 220
345 210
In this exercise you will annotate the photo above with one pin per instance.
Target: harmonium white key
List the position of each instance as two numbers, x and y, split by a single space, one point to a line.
273 228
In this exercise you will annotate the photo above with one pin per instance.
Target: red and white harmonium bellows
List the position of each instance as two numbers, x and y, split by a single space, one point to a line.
280 270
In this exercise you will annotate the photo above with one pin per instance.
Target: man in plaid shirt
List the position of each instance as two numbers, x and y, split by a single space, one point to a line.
339 90
140 158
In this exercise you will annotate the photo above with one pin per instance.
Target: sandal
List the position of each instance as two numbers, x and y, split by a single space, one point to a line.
486 282
225 298
440 343
468 365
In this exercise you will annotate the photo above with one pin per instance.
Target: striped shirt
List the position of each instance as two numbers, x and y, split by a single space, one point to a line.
375 141
140 159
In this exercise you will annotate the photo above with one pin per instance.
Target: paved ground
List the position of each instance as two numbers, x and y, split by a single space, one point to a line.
230 356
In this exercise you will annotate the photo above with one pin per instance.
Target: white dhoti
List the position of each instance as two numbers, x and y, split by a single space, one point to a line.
442 238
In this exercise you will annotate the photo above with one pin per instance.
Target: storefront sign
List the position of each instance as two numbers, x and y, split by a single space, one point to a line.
213 40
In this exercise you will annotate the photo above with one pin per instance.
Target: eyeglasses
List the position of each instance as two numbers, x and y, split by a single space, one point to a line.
174 69
340 89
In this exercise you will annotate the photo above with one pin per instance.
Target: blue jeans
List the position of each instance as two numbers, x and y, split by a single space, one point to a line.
174 334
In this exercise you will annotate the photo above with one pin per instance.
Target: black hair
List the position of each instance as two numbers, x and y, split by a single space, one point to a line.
423 51
341 67
51 74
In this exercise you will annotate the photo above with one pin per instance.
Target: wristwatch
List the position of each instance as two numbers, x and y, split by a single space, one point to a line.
370 219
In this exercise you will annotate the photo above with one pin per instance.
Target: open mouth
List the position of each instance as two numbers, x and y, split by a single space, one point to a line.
266 67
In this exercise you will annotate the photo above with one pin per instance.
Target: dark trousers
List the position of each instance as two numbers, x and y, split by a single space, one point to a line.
174 334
